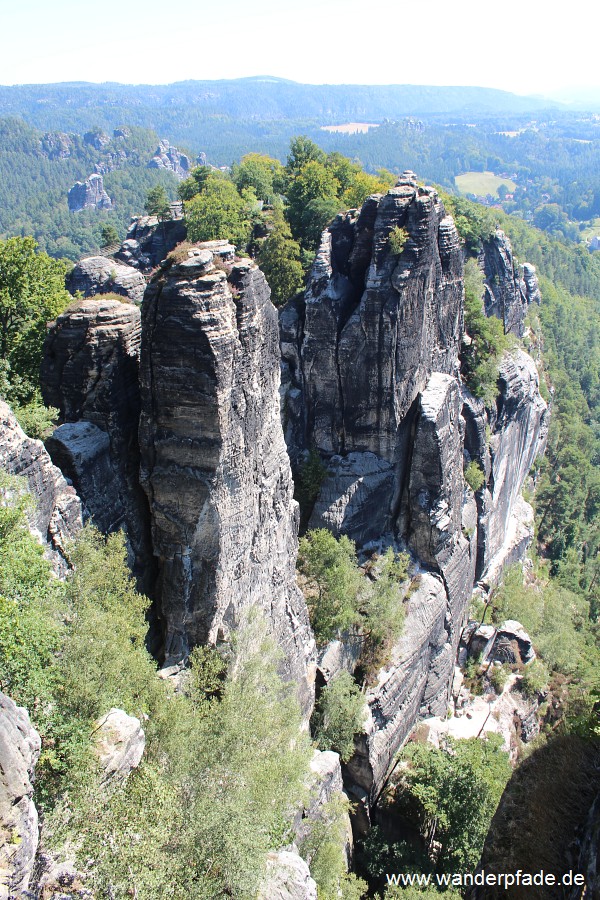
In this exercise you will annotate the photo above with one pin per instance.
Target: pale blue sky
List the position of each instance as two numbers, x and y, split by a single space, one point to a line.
512 44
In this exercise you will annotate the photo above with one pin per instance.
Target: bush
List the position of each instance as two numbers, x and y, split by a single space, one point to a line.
474 476
498 676
535 678
397 239
339 715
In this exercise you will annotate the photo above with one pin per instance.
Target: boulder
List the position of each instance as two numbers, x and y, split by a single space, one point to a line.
119 743
171 159
19 751
288 878
101 275
148 241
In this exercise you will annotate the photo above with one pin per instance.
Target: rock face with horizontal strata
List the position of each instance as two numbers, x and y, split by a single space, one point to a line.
214 462
506 293
56 516
90 371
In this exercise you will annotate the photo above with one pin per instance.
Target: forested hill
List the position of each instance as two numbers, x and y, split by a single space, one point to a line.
37 170
76 105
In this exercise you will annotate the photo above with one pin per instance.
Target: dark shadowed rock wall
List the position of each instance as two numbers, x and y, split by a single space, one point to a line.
90 373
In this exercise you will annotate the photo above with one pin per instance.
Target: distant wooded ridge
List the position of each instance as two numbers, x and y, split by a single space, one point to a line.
264 98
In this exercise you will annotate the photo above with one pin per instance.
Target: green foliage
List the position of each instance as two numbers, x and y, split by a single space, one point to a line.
263 174
279 258
535 678
218 212
397 239
225 764
364 185
474 476
323 849
312 201
34 184
109 235
332 582
339 715
556 619
36 420
32 291
380 602
486 340
498 676
311 476
157 203
340 597
416 893
303 151
452 793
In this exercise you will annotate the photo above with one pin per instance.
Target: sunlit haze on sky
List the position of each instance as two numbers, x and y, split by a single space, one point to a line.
517 45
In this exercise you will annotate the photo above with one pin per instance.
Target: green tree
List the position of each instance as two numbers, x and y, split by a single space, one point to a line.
339 715
263 174
313 199
303 151
332 582
218 212
32 291
108 235
157 203
279 258
363 185
484 342
453 792
474 476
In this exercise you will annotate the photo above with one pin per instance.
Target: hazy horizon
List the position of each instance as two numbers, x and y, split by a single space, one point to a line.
517 49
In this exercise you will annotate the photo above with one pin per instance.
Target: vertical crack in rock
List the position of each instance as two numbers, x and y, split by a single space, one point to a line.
214 463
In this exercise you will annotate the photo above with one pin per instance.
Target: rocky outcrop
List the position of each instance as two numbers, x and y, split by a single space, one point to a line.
57 145
101 275
532 834
89 194
414 682
119 743
171 159
148 241
214 462
374 325
96 139
531 283
90 371
56 515
506 294
371 381
327 806
19 751
506 442
288 878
